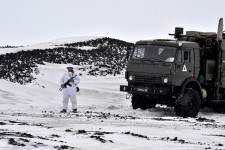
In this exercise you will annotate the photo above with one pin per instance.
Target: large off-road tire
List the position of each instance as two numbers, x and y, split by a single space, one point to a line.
142 102
135 101
218 107
147 103
188 104
152 105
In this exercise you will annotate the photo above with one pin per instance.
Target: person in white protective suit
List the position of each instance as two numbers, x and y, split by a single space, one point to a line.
68 83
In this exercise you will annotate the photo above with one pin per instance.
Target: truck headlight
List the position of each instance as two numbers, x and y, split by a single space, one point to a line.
165 80
131 78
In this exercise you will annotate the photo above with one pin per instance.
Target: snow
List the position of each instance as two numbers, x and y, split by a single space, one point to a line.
52 44
75 39
101 108
87 48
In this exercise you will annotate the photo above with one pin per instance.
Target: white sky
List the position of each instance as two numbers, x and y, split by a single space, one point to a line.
26 22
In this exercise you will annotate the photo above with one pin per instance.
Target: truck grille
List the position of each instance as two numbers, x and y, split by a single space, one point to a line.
147 79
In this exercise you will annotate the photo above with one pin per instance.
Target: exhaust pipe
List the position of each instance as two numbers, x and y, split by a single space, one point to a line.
219 68
220 30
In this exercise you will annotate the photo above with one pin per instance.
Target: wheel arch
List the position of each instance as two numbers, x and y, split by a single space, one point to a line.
192 83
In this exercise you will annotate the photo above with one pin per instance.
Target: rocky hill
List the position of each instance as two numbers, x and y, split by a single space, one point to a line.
98 57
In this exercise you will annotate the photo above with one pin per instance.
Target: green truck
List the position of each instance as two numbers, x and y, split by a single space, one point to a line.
186 73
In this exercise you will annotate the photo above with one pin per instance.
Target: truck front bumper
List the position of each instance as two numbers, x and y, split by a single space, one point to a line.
151 90
146 90
124 88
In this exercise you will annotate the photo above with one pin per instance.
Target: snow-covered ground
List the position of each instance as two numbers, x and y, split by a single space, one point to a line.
74 39
51 44
30 118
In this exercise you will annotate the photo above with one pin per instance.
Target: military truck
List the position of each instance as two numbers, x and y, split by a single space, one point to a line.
187 72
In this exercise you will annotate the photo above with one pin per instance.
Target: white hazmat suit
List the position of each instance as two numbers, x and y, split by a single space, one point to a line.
70 92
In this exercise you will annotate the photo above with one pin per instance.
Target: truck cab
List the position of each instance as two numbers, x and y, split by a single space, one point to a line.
184 73
157 69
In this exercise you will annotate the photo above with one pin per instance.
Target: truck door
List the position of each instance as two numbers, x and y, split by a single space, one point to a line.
184 65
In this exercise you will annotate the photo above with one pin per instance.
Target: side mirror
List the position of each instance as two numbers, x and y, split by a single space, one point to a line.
128 53
178 32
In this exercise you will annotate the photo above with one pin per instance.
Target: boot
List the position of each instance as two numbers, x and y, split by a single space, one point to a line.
63 111
74 111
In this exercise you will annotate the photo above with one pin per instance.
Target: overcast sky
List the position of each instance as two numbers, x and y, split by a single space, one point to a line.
26 22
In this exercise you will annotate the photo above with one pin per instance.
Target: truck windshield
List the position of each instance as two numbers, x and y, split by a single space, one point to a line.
154 53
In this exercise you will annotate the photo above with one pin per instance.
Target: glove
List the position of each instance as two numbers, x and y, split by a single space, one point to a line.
78 89
62 86
71 80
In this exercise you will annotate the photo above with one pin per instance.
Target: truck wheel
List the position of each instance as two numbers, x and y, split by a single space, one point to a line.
145 106
188 104
147 103
152 105
135 101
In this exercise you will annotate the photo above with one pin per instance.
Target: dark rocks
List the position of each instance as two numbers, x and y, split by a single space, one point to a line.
81 132
16 134
24 140
2 123
98 138
14 121
43 138
15 143
63 147
202 119
137 135
55 135
219 144
26 135
68 130
8 46
109 57
175 139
